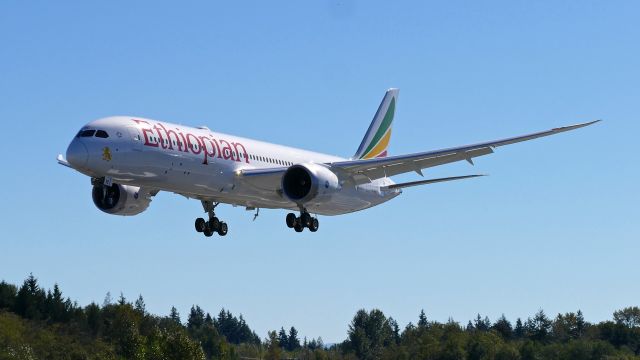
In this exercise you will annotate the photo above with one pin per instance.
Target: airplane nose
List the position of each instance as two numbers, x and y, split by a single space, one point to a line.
77 154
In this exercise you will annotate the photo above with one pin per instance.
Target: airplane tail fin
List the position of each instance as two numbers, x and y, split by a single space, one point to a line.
376 140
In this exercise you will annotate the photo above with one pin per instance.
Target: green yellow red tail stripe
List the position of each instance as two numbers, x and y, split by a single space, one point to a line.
376 141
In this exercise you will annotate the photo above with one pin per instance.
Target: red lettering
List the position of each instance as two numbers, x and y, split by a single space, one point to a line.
146 132
184 141
168 133
164 146
205 149
208 146
244 152
195 144
226 151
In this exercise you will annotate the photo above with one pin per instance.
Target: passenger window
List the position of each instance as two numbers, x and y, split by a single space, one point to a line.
102 134
86 133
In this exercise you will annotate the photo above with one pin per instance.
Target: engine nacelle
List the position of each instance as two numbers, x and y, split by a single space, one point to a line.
303 183
120 199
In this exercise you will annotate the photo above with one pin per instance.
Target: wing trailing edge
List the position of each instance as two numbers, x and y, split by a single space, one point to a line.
428 181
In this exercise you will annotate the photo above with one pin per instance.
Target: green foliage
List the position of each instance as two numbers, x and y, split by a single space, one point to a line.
41 324
7 295
629 317
273 346
235 329
369 333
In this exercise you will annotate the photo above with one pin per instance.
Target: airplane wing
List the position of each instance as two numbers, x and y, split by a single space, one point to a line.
364 171
427 182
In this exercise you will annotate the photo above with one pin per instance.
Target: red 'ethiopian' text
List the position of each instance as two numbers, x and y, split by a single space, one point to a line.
170 139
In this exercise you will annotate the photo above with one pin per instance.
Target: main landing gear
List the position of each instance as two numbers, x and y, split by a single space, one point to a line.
214 224
303 221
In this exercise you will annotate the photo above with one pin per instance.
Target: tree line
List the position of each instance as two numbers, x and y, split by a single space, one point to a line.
37 323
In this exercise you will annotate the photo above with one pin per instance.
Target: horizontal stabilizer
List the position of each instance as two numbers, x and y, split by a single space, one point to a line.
428 181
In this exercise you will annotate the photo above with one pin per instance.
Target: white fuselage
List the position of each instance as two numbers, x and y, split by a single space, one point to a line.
202 164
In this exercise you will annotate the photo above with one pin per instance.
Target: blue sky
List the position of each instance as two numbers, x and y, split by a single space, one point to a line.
555 226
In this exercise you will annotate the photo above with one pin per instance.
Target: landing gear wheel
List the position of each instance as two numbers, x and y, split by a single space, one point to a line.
214 224
298 227
223 228
305 218
291 220
208 232
313 227
200 224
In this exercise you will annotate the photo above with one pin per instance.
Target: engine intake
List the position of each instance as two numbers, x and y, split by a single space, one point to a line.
304 183
120 199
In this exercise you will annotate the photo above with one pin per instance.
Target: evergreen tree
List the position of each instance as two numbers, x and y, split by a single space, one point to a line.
482 324
208 321
503 327
470 327
369 333
422 320
518 330
581 325
92 312
283 340
196 319
122 300
107 300
30 299
293 343
396 330
8 294
140 306
175 316
540 326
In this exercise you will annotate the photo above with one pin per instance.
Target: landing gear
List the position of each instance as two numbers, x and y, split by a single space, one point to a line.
208 228
313 227
303 221
291 220
201 225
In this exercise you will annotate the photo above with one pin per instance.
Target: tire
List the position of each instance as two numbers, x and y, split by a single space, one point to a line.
314 225
214 224
305 218
208 232
200 224
298 227
223 229
291 220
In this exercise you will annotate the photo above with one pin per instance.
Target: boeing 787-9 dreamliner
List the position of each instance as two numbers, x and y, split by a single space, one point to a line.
130 159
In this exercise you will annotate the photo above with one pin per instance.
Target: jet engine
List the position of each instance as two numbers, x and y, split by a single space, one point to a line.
120 199
303 183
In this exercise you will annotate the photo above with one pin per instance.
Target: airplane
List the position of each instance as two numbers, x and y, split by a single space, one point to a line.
130 159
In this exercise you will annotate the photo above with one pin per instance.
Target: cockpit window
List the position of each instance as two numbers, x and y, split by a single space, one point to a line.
86 133
102 134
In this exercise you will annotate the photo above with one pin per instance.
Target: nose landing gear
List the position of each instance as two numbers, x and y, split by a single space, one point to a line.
303 221
208 228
